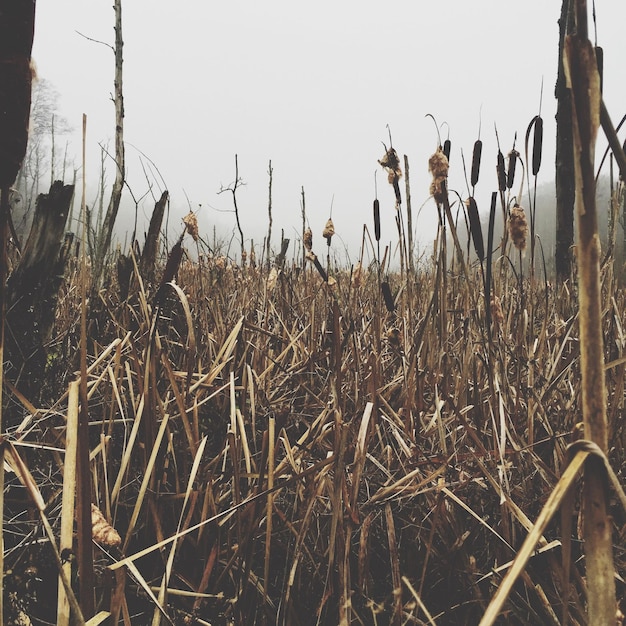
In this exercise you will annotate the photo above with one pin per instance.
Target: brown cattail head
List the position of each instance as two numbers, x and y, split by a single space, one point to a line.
518 227
329 231
252 255
537 144
436 190
307 239
357 275
438 164
191 222
244 258
272 279
101 531
377 219
510 176
497 315
501 171
391 163
438 167
476 155
475 227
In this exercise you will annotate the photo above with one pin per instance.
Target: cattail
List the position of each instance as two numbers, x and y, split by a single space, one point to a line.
394 336
357 275
387 297
438 164
518 227
537 144
497 315
475 227
377 219
436 191
252 255
447 145
391 163
438 167
510 175
171 268
244 258
478 150
220 263
311 256
101 531
272 279
191 223
329 231
307 239
501 172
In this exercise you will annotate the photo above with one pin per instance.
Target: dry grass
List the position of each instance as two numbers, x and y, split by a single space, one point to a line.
301 455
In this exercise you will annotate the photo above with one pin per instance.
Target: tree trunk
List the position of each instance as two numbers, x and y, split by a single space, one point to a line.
32 291
565 186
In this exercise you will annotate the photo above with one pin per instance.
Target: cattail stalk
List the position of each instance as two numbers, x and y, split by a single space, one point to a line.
582 75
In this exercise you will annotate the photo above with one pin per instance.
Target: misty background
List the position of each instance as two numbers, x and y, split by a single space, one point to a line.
311 87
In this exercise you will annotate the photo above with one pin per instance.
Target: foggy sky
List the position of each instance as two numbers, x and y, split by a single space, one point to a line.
311 86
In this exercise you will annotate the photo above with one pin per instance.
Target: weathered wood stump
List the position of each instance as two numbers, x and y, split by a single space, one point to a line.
32 291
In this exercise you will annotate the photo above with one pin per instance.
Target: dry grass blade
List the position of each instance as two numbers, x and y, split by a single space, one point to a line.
145 483
67 507
419 601
156 619
528 548
16 463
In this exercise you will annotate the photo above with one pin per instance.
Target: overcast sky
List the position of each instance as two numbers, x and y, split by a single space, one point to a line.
311 86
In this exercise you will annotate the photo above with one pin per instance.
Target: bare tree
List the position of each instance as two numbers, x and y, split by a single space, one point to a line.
233 189
46 125
106 233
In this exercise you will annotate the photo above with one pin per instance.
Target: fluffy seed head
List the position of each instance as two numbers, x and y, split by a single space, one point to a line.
272 279
357 275
518 227
391 163
329 231
438 164
497 315
101 531
307 239
435 188
191 222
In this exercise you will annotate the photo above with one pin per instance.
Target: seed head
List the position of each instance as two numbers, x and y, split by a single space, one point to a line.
191 222
518 227
357 275
391 163
329 231
101 531
438 167
497 315
438 164
272 279
308 239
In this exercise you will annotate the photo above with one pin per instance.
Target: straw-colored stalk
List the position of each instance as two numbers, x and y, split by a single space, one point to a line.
584 80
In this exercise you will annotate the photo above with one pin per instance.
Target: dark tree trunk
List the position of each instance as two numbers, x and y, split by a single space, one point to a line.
565 186
32 291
